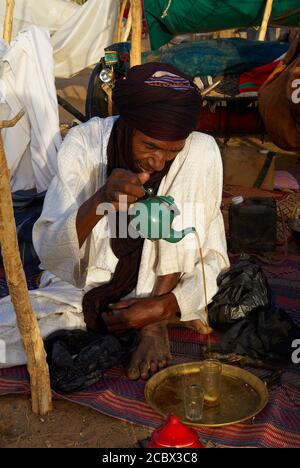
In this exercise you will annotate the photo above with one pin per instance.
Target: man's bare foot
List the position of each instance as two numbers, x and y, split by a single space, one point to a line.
200 327
152 353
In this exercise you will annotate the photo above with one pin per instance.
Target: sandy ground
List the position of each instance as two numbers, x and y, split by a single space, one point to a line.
67 426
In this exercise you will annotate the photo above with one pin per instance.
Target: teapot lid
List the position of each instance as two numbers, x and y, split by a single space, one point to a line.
174 434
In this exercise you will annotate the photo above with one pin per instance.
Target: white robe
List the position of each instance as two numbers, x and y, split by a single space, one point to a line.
194 180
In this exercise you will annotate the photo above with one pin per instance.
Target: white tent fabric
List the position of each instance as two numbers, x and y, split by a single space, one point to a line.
50 14
27 81
79 34
80 42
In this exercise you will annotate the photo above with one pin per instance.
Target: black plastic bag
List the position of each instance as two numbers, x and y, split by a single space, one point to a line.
243 289
78 358
267 335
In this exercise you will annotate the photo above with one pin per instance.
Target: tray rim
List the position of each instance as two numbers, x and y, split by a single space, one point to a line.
264 394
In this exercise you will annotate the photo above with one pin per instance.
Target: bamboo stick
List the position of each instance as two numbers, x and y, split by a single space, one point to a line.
9 14
265 21
136 35
26 319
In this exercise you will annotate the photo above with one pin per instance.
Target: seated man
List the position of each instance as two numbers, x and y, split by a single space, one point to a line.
129 283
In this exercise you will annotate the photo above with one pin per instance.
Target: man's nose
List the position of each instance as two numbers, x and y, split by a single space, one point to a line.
158 162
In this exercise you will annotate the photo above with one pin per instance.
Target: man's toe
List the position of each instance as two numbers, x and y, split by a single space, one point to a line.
162 363
144 369
153 367
133 373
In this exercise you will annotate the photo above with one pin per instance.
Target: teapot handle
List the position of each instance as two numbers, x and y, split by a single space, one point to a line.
167 199
171 202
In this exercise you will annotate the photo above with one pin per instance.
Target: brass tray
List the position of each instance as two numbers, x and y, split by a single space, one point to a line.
243 395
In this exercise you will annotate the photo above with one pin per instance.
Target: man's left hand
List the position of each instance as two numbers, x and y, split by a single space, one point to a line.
137 313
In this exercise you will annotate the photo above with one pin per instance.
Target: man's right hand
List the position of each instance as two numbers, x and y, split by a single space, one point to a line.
120 183
124 184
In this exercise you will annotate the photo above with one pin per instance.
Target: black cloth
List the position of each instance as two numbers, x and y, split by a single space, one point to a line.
78 358
243 309
267 335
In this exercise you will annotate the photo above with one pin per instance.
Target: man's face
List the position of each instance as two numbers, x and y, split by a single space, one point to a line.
150 155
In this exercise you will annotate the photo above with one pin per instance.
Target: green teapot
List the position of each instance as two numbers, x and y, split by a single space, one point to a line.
152 218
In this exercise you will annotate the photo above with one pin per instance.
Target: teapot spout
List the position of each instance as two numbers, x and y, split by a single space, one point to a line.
176 236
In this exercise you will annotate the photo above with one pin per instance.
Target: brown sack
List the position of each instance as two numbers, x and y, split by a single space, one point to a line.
278 98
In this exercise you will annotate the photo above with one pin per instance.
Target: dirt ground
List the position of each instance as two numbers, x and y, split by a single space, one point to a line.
67 426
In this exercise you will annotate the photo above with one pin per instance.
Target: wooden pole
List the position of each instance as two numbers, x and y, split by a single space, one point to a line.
126 32
9 14
26 319
210 88
265 21
108 91
120 21
136 35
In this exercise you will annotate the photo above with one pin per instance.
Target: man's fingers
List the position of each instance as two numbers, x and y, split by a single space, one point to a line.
143 177
122 304
136 179
112 320
117 322
124 175
124 198
134 190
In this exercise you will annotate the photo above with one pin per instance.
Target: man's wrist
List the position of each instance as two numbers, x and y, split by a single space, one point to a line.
101 196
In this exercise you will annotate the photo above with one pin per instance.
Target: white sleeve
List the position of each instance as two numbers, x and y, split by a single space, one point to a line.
54 236
190 289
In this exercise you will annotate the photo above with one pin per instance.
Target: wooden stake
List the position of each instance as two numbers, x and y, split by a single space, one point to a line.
9 14
26 319
265 21
136 36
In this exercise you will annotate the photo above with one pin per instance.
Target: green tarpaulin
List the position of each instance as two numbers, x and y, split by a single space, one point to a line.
188 16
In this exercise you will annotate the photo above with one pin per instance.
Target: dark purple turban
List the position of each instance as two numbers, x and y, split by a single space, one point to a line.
158 100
